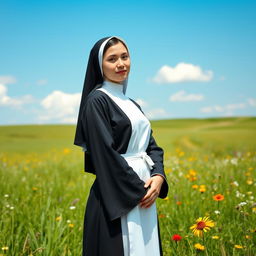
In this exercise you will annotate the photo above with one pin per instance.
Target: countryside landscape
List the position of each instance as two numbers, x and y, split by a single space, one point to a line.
210 209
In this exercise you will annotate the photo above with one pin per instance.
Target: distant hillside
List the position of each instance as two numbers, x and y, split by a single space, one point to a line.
195 134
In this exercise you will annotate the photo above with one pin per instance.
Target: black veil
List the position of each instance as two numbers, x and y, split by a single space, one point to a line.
93 78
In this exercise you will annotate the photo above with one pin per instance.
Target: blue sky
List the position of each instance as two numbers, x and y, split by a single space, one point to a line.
189 58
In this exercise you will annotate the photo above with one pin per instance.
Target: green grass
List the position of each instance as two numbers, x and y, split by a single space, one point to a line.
44 189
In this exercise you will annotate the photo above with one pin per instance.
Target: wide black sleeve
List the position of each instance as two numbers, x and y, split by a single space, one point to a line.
120 187
156 153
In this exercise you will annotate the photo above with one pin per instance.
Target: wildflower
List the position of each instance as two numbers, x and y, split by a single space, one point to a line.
217 212
249 182
34 188
58 218
233 161
71 225
202 188
72 207
237 246
218 197
11 207
162 215
254 209
176 237
6 195
235 183
178 203
242 204
248 237
215 237
5 248
195 187
202 225
68 221
199 247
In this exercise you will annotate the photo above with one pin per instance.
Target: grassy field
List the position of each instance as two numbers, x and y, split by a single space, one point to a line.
44 189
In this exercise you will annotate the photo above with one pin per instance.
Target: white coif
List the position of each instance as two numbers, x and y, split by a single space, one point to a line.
139 226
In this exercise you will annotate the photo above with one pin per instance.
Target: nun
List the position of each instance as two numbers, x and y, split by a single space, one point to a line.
119 149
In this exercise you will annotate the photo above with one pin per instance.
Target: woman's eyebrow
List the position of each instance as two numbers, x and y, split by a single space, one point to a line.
114 55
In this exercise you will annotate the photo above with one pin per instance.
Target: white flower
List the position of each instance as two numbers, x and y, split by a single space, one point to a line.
6 195
72 207
11 208
217 212
7 205
233 161
239 195
242 204
235 183
68 221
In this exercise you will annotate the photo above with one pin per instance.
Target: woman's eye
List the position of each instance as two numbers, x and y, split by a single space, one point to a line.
111 59
125 57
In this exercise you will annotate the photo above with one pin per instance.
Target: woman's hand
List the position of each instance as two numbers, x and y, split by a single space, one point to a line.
155 184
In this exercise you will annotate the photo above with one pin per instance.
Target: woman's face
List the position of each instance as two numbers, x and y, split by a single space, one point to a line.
116 63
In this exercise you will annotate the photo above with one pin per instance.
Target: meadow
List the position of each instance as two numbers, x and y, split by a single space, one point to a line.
210 165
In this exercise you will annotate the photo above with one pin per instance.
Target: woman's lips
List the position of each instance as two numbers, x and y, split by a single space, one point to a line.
121 72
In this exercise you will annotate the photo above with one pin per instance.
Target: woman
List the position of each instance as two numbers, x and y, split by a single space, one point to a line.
120 217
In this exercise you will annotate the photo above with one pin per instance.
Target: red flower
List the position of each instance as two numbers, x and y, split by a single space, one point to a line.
176 237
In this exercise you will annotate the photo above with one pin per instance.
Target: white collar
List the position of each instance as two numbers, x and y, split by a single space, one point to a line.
112 87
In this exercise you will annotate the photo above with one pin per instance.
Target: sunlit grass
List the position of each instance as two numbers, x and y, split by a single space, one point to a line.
44 189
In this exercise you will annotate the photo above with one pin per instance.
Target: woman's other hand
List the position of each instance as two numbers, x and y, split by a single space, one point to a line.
154 183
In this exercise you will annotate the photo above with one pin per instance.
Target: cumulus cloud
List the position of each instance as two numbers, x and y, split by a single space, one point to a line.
141 102
157 113
182 72
252 102
7 80
6 100
183 96
61 107
228 109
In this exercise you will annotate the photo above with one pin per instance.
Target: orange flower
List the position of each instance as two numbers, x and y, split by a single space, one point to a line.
218 197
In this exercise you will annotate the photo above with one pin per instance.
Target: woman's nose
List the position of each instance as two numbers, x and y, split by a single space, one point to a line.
120 63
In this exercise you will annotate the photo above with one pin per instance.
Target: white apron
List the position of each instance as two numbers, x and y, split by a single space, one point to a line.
139 226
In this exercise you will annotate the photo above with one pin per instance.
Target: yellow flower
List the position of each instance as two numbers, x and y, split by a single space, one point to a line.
202 188
195 186
248 237
215 237
249 182
58 218
199 247
5 248
237 246
34 188
254 209
71 225
202 225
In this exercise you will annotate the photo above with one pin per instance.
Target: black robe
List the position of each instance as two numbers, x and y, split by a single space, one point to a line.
117 189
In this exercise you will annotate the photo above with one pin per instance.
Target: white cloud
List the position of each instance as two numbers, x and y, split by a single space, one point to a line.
7 80
227 109
182 96
252 102
141 102
182 72
6 100
61 107
157 113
